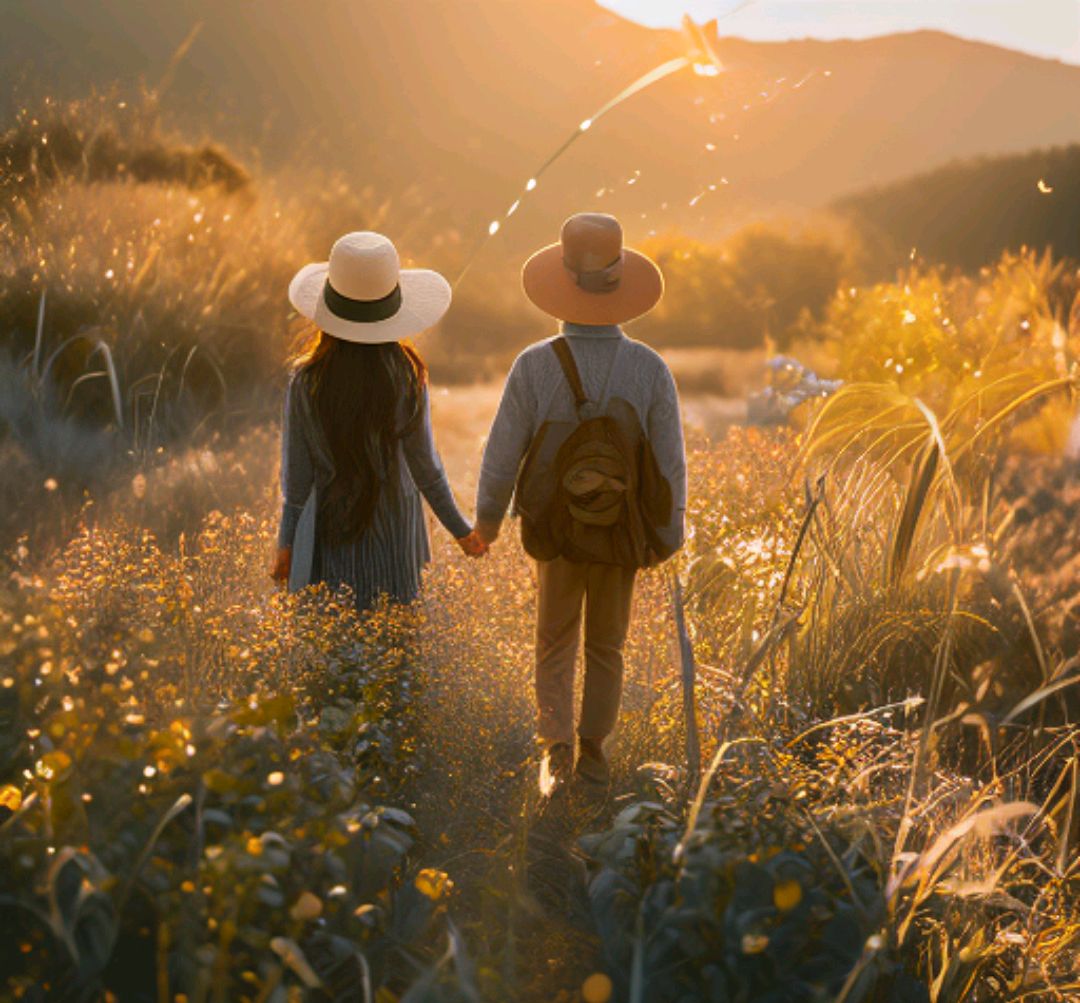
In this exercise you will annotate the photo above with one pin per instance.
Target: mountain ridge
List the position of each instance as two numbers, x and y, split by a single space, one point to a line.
464 100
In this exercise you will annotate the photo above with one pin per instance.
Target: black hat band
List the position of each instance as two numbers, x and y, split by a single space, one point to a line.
362 311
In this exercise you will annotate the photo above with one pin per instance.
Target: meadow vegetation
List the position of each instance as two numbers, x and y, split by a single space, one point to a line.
199 772
856 780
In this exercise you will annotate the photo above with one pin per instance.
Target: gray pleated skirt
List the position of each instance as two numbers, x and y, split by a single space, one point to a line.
387 560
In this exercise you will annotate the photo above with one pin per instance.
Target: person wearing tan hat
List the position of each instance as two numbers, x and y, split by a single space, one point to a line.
588 434
357 443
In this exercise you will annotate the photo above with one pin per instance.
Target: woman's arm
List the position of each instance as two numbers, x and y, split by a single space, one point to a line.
297 478
428 473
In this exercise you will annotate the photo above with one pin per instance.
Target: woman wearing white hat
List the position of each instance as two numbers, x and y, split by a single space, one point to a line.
357 444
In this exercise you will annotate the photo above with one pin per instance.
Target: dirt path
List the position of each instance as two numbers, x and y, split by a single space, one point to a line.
520 885
520 879
519 882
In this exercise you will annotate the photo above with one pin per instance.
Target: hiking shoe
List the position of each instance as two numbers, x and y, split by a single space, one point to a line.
592 764
555 767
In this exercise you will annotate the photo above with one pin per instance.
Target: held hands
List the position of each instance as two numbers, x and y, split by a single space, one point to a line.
473 545
479 541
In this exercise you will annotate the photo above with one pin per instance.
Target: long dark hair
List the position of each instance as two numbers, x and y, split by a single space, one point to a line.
358 395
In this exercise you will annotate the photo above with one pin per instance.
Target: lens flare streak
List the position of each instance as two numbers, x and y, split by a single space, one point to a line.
646 80
701 56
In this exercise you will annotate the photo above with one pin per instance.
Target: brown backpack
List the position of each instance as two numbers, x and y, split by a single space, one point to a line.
591 490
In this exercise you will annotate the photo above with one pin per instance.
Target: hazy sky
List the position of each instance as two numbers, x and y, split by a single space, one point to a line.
1045 27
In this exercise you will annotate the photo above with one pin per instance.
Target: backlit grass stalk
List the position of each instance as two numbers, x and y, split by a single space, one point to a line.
689 680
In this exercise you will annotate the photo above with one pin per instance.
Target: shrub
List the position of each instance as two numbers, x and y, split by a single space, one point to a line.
946 339
763 282
185 290
724 909
101 139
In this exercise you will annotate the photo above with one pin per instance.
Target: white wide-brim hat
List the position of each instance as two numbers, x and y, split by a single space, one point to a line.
362 294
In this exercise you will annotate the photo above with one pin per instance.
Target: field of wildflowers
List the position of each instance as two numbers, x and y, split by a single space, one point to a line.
855 779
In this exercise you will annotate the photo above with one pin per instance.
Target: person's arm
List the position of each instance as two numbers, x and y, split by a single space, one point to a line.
510 435
665 433
428 473
297 478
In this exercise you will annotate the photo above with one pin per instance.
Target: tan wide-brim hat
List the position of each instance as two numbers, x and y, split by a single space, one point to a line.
589 277
363 294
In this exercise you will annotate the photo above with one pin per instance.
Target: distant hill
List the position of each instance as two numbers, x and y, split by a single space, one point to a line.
967 213
460 101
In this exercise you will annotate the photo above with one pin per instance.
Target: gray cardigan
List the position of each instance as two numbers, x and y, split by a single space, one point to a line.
536 391
391 554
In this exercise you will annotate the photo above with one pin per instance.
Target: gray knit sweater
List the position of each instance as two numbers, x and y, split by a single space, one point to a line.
390 555
536 391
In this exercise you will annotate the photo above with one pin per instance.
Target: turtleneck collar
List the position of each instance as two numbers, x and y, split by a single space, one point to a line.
591 330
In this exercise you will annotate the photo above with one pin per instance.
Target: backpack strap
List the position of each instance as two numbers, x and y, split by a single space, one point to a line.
609 385
570 370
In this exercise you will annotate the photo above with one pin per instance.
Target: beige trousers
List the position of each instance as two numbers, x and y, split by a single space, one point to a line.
606 592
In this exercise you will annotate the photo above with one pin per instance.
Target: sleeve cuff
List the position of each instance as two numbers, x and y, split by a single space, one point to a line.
290 518
458 527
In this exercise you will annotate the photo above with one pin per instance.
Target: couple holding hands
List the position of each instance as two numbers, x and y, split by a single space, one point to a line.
587 442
